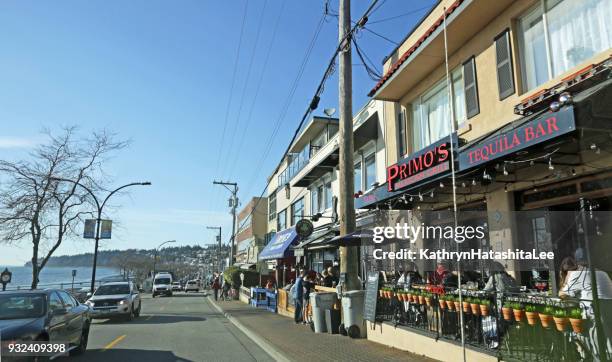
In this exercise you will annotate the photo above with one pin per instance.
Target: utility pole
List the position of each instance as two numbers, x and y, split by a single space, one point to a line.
233 188
348 255
219 241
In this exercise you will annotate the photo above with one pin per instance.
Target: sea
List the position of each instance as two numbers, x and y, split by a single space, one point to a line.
22 275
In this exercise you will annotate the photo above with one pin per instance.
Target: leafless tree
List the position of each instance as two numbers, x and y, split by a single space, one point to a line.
35 207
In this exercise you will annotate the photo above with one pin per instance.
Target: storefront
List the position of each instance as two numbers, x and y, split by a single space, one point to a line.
279 256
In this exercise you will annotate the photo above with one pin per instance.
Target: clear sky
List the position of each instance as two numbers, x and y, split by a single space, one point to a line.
160 73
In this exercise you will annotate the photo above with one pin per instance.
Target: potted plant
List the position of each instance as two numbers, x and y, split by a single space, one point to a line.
546 316
421 298
402 296
457 303
466 305
519 311
507 311
450 302
575 318
484 307
531 311
475 306
442 301
409 296
560 317
427 297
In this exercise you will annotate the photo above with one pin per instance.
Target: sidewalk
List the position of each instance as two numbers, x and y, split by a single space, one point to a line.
297 342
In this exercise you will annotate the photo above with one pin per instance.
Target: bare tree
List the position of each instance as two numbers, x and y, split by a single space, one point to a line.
37 208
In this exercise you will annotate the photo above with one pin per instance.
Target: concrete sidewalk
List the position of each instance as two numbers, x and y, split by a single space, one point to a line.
285 340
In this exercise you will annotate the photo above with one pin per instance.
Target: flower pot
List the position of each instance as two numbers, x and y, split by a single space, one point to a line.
545 319
457 305
428 301
507 312
466 307
421 299
484 310
475 309
402 297
518 314
450 305
560 323
576 325
442 303
381 293
532 318
410 297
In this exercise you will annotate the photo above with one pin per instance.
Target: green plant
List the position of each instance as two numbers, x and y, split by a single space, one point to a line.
517 306
575 313
531 308
485 302
508 305
560 312
548 310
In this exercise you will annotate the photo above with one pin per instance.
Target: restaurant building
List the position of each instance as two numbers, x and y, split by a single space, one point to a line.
512 99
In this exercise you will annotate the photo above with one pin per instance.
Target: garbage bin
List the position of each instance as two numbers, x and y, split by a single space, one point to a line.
332 321
352 307
320 302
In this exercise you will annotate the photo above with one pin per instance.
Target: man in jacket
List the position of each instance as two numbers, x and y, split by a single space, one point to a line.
298 295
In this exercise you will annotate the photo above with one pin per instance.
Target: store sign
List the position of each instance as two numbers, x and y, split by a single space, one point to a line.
432 161
543 128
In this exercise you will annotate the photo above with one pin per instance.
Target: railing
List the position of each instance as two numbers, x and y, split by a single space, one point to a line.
513 326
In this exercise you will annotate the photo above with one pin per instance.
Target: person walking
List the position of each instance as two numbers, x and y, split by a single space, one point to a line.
308 287
298 295
216 286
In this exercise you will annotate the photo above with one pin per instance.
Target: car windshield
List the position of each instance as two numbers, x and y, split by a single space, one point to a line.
162 281
20 306
191 283
113 289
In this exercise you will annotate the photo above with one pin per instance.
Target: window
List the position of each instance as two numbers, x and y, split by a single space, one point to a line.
557 35
470 89
297 211
272 206
401 134
281 220
505 75
430 112
55 302
328 195
314 201
370 171
318 142
358 176
69 302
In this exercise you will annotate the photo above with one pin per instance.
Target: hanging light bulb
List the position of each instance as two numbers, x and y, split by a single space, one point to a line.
573 172
506 188
550 165
431 194
505 170
463 184
593 146
390 207
474 182
580 229
531 163
441 184
597 151
411 198
419 207
420 196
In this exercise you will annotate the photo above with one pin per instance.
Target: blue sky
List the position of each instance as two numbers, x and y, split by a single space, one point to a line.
159 73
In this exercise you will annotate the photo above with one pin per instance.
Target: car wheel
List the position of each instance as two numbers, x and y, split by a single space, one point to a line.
82 347
153 296
130 317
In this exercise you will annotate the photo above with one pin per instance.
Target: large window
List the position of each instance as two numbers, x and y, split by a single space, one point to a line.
358 176
430 112
318 142
557 35
370 170
328 195
365 170
281 220
320 196
401 134
272 206
297 211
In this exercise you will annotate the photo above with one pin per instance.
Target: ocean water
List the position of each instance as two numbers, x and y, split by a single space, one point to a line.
22 276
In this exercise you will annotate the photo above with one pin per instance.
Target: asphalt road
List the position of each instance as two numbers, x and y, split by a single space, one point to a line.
184 327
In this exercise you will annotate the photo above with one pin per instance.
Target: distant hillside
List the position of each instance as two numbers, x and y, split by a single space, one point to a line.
109 257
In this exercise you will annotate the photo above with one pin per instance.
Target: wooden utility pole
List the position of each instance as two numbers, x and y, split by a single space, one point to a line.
233 188
348 255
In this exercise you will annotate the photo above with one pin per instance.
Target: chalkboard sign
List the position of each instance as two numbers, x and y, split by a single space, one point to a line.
371 297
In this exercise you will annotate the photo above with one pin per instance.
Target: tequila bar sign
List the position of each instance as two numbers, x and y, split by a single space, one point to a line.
543 128
426 164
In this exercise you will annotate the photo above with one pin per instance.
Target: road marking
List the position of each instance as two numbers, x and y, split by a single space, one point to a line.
113 343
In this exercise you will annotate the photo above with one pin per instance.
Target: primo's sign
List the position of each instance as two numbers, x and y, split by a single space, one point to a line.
543 128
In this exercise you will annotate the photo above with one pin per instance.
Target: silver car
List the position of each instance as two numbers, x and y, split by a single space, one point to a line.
115 300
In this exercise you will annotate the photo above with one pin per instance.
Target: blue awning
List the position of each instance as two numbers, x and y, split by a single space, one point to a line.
278 247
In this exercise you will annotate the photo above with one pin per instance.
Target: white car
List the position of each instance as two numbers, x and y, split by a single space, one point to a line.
162 284
176 287
193 286
115 300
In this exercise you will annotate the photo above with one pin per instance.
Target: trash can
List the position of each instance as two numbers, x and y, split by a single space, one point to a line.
332 321
352 307
320 302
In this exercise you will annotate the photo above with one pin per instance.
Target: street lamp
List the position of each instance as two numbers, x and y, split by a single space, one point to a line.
99 207
155 259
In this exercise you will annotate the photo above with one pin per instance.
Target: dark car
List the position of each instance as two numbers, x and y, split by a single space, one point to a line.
44 315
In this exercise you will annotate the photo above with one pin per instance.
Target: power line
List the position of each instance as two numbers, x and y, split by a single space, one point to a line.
400 15
345 42
370 70
381 36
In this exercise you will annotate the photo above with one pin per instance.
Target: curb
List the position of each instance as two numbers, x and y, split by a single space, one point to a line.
262 343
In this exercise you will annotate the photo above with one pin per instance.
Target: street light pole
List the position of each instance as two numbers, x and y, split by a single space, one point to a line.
100 208
219 240
155 254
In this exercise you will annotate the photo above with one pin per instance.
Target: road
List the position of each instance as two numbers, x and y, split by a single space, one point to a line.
184 327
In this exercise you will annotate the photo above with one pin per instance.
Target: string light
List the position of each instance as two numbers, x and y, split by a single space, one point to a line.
463 184
597 151
550 165
441 184
473 182
505 171
573 172
431 194
411 198
420 197
506 188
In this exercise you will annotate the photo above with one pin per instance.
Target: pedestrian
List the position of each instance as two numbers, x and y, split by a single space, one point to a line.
216 287
308 287
298 295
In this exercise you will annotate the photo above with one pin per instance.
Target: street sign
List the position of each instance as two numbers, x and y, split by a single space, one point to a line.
90 229
74 273
106 229
304 228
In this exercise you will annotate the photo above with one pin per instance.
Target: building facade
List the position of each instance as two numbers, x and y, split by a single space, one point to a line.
252 229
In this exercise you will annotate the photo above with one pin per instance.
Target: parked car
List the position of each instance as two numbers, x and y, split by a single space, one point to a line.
176 287
162 284
115 300
50 315
192 286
